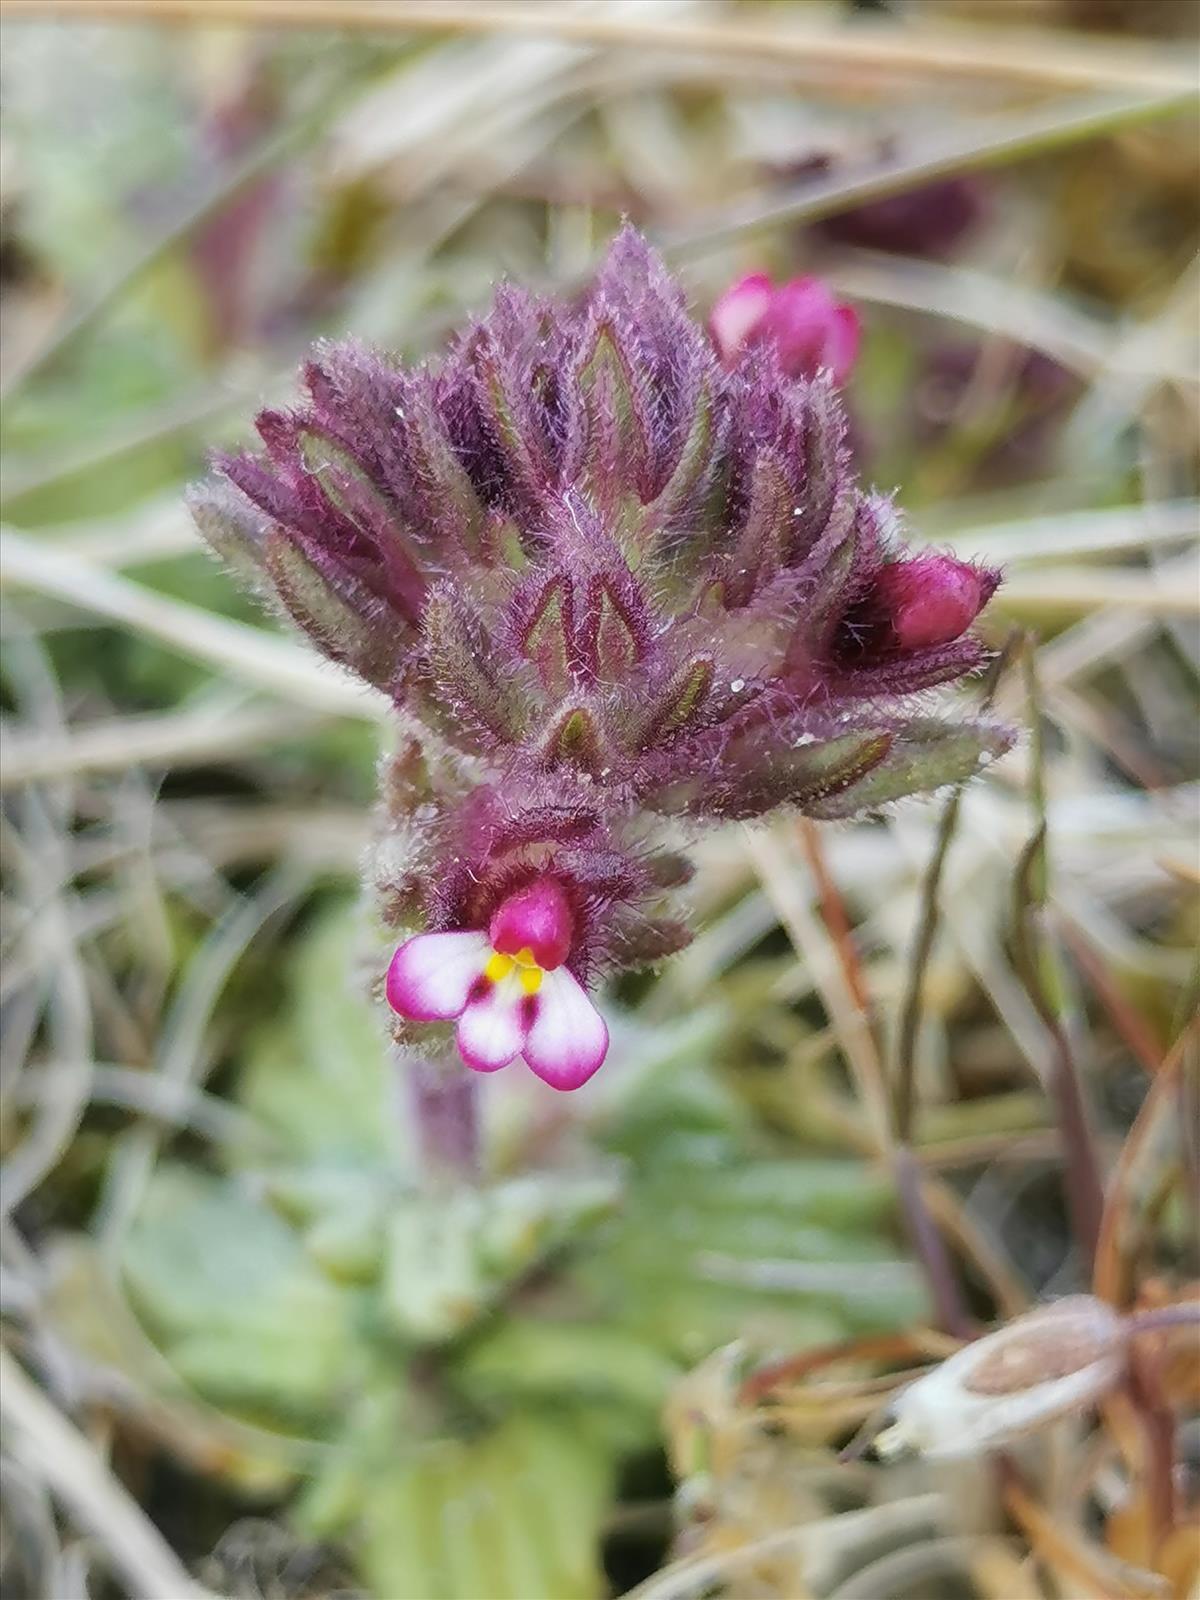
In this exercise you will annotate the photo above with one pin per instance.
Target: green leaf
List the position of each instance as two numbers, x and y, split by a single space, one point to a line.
925 754
576 1362
711 1247
450 1257
512 1515
239 1308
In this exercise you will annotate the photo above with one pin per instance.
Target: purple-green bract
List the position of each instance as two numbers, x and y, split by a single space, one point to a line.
606 581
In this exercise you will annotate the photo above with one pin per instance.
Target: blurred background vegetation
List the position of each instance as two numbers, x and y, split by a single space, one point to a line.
248 1348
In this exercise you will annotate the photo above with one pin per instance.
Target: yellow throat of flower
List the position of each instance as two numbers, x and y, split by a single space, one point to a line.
529 974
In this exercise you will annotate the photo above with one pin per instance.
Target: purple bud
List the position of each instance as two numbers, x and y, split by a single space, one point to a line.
931 599
809 328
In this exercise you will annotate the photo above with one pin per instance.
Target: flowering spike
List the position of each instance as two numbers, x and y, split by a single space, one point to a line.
621 575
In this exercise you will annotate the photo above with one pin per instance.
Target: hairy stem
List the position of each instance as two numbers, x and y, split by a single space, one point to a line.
445 1102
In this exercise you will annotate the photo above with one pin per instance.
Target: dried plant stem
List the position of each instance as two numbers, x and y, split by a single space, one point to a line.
179 739
844 994
904 1076
929 1245
889 1348
50 1447
1036 963
833 909
1186 1315
904 1099
980 53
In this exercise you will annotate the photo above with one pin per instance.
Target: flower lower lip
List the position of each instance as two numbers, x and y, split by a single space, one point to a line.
504 1005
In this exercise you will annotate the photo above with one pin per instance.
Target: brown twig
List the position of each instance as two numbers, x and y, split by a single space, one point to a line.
833 910
1129 1025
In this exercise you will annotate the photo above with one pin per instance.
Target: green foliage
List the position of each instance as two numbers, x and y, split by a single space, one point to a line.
512 1513
478 1361
254 1324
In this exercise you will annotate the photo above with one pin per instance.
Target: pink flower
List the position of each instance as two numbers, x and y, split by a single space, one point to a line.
932 599
508 988
810 329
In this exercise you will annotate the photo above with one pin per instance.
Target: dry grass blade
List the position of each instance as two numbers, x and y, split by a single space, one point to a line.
171 740
246 653
991 54
179 1062
1174 592
1093 532
969 146
817 951
50 1447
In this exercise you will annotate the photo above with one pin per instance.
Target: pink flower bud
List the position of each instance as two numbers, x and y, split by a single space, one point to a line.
536 918
810 329
737 314
932 599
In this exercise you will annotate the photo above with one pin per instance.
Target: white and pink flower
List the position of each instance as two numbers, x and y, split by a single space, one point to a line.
508 987
811 329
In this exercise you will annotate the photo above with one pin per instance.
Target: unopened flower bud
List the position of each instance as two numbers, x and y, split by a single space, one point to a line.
1051 1363
932 599
810 329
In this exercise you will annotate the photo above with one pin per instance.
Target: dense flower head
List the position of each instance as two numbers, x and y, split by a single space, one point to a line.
810 330
607 579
